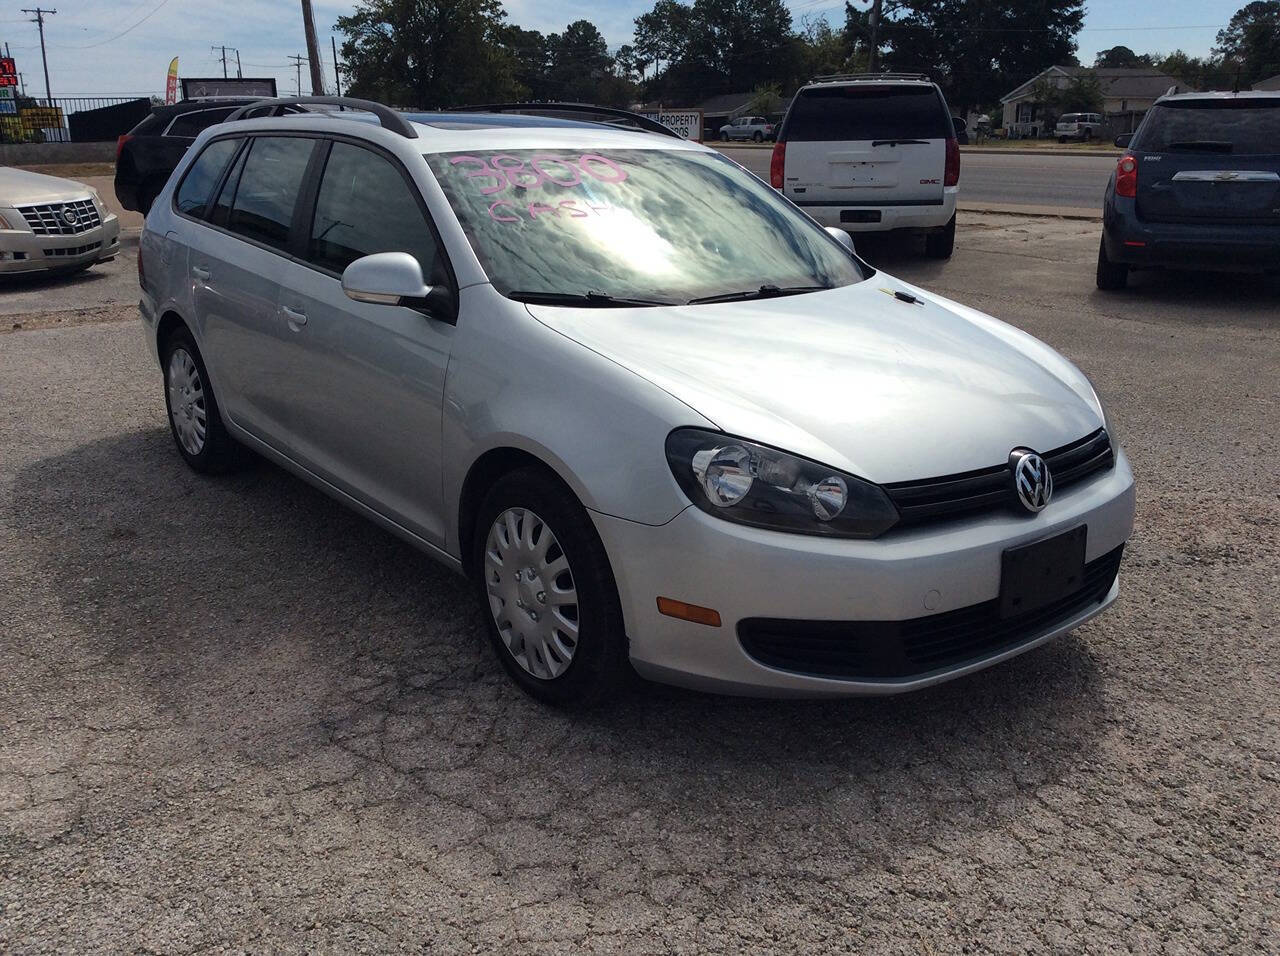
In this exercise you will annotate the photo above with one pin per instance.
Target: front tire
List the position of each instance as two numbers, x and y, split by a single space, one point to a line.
547 592
758 136
1112 276
940 244
194 418
724 137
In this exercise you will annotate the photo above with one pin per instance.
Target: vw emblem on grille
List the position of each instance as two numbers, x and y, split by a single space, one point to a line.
69 215
1031 479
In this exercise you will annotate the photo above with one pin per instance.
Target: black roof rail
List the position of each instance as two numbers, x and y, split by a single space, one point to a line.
387 117
829 77
570 109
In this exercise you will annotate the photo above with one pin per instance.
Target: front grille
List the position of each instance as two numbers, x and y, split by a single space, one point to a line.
47 219
940 499
71 251
885 650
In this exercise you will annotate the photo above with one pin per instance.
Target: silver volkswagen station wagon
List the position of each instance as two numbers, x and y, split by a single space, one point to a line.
665 421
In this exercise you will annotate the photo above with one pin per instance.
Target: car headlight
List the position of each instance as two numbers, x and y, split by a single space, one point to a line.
4 223
756 485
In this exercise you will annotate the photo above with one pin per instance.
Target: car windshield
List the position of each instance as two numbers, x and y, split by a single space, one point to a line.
1071 118
827 114
1243 126
658 225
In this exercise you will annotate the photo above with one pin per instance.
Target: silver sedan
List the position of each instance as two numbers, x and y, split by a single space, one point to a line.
52 224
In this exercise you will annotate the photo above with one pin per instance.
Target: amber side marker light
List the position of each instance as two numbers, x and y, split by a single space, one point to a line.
689 612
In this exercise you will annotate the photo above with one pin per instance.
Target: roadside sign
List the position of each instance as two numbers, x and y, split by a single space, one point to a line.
42 117
8 104
688 123
194 88
8 71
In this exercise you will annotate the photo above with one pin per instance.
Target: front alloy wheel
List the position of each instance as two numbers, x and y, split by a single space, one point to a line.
532 596
547 588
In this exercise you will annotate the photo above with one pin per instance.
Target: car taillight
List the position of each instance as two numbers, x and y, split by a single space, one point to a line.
777 164
1127 176
951 172
120 141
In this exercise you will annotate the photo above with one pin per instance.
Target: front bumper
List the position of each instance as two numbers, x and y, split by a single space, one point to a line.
882 218
746 573
1225 247
23 251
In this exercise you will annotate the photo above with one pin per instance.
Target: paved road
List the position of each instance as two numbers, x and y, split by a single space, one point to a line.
236 717
1075 182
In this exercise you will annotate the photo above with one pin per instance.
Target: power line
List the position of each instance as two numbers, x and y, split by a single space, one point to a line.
298 60
127 30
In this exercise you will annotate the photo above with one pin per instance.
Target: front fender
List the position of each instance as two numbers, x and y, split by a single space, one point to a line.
515 383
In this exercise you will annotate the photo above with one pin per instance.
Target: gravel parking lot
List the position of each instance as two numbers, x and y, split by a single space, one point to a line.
233 716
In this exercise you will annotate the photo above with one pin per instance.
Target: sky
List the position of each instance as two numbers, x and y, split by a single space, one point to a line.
123 47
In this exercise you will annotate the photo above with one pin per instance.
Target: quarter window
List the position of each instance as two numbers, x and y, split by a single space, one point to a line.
190 125
202 178
268 188
365 206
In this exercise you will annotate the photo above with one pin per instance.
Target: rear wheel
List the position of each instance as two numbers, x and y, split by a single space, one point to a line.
1088 135
1112 276
724 137
940 244
548 592
194 418
758 136
1062 139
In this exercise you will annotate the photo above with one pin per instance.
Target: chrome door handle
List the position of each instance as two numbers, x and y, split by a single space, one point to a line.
201 273
294 317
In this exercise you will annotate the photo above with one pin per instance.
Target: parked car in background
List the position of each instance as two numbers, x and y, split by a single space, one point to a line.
872 153
148 153
49 224
700 439
1081 126
1198 187
755 128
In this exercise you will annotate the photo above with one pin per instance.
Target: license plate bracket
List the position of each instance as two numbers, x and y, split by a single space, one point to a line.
1033 575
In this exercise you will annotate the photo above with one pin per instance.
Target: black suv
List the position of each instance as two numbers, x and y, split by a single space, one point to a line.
148 153
1197 188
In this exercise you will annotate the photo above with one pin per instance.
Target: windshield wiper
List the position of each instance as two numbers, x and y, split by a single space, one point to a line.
590 299
1208 145
764 292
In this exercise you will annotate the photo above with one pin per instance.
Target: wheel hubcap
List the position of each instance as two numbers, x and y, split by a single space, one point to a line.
186 401
531 593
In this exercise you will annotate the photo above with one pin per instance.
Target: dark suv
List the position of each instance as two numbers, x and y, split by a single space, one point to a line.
1197 188
148 153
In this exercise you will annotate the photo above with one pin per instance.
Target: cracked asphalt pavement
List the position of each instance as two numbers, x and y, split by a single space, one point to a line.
234 716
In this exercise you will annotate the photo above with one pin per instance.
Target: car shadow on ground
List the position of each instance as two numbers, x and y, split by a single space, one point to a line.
278 637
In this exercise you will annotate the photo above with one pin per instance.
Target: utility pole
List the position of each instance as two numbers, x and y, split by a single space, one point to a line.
215 49
22 79
337 77
238 73
40 15
875 36
298 59
313 49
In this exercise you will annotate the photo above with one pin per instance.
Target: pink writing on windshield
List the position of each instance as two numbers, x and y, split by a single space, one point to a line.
502 171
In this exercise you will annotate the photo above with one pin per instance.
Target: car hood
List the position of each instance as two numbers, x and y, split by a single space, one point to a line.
19 187
853 377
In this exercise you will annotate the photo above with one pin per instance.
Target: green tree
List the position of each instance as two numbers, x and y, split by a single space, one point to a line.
1083 94
1121 57
975 67
531 61
661 34
826 50
427 53
581 68
1251 41
1193 72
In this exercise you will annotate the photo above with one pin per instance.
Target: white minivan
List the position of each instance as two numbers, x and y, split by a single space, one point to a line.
872 153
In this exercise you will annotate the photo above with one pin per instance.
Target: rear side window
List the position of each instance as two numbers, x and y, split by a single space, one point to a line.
193 124
268 188
202 178
365 206
861 113
1215 126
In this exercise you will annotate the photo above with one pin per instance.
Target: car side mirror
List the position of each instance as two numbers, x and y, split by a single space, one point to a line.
959 124
842 237
395 278
1124 139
